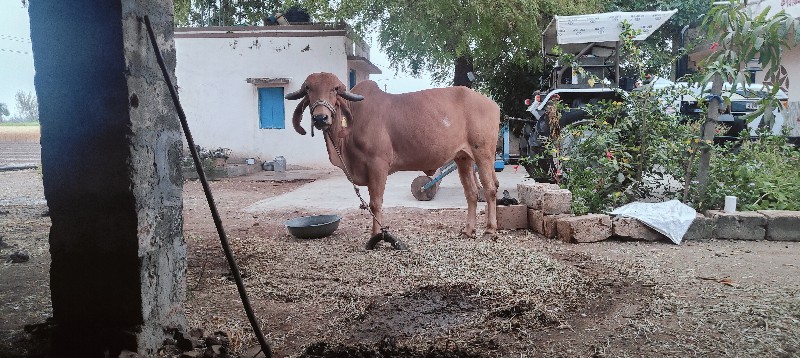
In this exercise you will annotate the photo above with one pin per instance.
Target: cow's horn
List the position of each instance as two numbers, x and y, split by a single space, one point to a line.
297 94
350 96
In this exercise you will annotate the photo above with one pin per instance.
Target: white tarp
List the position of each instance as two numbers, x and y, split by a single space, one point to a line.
671 218
606 26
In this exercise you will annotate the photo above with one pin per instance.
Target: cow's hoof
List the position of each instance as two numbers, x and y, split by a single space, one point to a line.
467 234
396 243
490 236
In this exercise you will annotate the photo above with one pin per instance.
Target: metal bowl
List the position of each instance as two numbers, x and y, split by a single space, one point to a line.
313 227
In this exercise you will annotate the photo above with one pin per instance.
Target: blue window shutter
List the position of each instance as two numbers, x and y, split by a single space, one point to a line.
270 108
352 78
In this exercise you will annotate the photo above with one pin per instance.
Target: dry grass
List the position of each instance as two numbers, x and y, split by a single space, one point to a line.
20 133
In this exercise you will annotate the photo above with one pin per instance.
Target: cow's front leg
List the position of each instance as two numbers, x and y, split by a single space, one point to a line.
376 186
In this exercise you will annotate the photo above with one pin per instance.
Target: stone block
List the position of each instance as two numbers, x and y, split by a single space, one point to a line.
536 221
739 225
782 225
512 217
635 229
530 193
585 228
549 224
702 228
556 202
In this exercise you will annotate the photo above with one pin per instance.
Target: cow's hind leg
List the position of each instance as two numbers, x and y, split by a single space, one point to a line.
465 173
490 185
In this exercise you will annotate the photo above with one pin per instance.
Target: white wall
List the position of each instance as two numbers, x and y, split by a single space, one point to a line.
222 109
790 60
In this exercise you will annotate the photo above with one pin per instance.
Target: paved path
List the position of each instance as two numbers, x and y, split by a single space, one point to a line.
335 192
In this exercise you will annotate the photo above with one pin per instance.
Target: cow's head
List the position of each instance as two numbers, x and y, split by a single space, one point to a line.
325 95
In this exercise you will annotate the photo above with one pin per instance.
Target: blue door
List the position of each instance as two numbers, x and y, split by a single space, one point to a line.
270 108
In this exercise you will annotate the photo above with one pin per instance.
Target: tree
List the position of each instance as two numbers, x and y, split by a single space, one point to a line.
27 107
669 36
223 12
3 112
739 36
458 38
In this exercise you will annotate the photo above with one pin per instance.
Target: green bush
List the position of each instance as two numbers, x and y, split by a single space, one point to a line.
626 153
763 174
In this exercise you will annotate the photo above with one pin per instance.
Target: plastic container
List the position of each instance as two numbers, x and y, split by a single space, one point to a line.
730 204
280 164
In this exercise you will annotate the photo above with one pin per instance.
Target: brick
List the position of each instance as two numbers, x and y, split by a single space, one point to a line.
739 225
549 224
585 228
530 193
536 221
635 229
702 228
512 217
782 225
556 202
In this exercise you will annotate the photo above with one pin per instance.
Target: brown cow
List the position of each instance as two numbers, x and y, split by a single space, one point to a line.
378 133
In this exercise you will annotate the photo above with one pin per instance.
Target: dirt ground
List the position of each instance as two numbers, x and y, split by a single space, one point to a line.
517 296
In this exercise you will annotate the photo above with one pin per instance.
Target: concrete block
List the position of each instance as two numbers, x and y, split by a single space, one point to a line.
635 229
536 221
782 225
585 228
556 202
549 224
530 193
702 228
237 170
512 217
740 225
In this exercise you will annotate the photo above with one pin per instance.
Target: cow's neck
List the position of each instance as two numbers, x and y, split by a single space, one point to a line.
330 138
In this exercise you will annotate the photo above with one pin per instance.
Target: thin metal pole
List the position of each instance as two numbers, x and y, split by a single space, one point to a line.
223 238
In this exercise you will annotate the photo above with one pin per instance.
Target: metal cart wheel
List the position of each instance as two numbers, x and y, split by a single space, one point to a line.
417 188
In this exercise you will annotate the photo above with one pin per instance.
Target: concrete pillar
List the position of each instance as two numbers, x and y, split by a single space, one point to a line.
111 143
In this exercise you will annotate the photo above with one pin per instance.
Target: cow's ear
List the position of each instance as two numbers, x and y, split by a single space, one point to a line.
346 117
298 116
344 107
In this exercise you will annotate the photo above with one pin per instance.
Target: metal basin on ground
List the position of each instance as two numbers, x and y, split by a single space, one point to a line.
313 227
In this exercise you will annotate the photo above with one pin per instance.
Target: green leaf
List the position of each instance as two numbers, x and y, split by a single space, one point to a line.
759 42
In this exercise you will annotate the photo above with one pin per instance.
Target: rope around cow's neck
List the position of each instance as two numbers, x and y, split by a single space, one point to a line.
364 206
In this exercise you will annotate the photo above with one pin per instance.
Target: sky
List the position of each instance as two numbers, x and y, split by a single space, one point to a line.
17 71
16 57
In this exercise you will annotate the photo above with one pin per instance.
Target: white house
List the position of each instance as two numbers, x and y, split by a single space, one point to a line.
232 80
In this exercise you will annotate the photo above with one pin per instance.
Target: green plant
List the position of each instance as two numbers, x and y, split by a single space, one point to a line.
739 36
763 173
207 158
634 149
